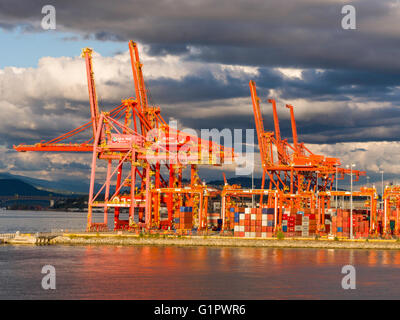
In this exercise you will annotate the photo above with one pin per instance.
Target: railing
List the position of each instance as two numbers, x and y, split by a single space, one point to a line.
7 235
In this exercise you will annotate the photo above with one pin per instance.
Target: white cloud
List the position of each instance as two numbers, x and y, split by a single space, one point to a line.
291 72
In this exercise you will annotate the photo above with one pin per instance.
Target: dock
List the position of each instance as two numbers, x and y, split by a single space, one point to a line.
27 238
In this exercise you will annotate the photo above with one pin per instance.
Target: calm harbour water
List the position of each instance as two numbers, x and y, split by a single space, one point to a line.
157 272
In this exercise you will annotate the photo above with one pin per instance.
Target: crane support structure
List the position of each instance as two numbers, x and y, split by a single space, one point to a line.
139 150
139 161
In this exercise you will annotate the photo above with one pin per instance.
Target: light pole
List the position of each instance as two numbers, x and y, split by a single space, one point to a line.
336 190
252 187
382 190
351 199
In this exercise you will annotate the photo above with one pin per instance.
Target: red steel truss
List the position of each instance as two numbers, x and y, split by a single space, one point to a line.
134 134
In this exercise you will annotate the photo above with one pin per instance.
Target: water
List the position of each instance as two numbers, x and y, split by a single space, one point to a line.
46 221
151 272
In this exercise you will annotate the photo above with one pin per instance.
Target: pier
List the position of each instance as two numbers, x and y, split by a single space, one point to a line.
27 238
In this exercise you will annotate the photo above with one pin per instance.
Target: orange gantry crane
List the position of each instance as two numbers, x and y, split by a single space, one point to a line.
296 168
135 136
296 175
391 211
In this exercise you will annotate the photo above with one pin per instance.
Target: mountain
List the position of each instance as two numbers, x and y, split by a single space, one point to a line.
59 186
11 187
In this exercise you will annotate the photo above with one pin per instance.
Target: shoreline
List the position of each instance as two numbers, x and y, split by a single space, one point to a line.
218 241
197 241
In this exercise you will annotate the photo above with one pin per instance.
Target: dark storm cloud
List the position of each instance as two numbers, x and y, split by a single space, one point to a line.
285 33
206 86
161 49
337 85
343 84
107 36
290 33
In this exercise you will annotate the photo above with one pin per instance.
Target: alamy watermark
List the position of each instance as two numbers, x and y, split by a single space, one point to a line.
212 146
49 20
349 280
349 20
49 280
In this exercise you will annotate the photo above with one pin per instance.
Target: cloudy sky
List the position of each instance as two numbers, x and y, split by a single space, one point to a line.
198 59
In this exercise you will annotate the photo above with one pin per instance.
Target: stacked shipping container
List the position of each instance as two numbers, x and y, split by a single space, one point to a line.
253 222
259 222
341 224
299 223
185 219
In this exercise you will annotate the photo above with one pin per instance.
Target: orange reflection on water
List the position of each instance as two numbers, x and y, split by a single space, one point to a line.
396 260
151 272
372 258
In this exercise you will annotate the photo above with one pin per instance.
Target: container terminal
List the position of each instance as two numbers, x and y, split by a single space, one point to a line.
140 161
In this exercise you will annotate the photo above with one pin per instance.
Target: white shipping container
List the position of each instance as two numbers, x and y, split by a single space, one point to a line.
263 234
253 216
252 234
241 228
247 234
264 223
236 228
247 210
241 216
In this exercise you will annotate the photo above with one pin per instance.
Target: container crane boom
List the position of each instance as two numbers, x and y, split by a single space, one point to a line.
94 108
140 87
294 129
265 146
